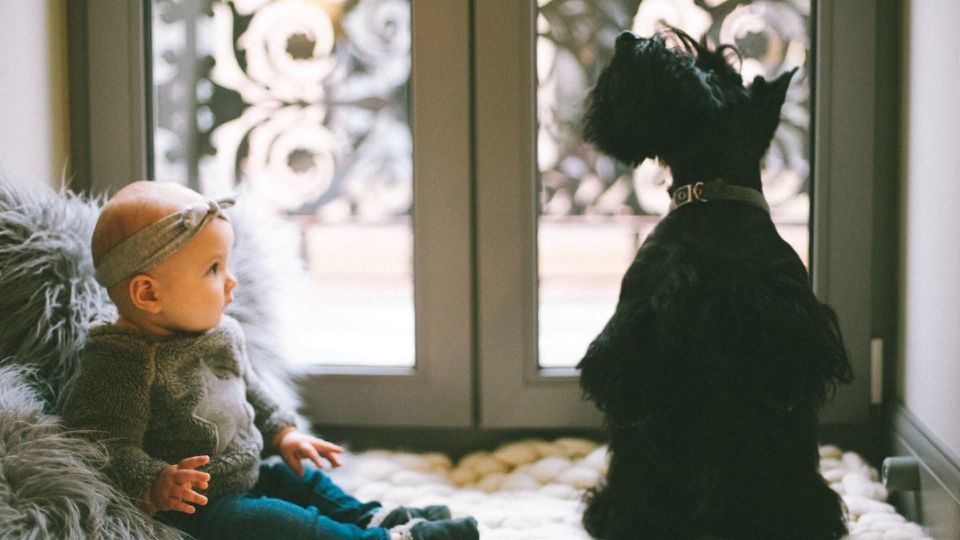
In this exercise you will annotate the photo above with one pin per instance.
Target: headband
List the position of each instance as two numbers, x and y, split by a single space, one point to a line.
157 241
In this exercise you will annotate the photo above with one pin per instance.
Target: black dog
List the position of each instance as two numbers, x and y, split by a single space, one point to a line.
713 368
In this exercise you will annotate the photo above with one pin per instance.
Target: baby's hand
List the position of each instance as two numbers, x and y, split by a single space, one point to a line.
295 445
173 488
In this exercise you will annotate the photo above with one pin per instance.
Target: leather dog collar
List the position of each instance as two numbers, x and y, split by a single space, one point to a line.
717 190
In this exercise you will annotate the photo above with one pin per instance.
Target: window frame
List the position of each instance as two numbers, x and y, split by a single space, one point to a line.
515 391
845 189
473 103
438 391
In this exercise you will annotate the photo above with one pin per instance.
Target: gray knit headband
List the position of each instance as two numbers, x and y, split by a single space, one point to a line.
157 241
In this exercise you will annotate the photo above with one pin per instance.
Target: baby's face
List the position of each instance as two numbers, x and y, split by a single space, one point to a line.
194 284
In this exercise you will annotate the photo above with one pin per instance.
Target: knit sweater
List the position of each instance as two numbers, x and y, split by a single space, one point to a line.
154 400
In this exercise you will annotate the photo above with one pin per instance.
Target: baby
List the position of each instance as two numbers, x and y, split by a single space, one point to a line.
170 392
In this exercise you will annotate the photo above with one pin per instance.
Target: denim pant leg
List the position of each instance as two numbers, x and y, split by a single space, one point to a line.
313 489
282 505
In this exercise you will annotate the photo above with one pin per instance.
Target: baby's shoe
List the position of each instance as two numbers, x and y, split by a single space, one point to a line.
402 514
444 529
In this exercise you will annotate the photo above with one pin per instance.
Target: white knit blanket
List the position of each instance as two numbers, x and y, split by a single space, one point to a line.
531 490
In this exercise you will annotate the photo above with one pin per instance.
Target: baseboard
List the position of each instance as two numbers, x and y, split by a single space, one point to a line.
454 442
937 503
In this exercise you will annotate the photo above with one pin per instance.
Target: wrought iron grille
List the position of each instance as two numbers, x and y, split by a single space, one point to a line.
575 40
304 104
304 101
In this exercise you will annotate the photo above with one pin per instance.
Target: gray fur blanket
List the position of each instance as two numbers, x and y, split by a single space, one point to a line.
50 482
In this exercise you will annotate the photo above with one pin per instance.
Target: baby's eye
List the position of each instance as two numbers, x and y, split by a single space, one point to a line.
213 268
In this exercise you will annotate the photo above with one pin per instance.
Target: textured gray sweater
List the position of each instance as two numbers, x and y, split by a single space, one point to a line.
154 400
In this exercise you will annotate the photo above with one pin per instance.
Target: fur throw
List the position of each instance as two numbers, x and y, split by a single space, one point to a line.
48 296
50 483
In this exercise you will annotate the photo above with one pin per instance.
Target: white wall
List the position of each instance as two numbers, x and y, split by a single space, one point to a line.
34 115
929 378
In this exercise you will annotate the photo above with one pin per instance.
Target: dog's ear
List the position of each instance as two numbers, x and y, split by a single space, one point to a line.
767 98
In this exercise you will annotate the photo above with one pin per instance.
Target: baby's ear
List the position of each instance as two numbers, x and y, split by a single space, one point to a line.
142 290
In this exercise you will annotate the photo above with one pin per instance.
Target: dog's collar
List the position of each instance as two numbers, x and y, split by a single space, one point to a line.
717 190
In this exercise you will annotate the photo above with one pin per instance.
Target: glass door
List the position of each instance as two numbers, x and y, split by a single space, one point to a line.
302 108
456 246
559 223
593 212
332 123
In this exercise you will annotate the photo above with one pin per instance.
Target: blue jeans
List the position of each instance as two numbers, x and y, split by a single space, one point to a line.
282 505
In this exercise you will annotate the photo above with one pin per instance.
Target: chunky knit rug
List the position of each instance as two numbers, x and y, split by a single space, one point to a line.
531 490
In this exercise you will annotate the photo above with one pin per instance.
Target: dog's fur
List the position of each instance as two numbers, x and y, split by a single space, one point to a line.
713 368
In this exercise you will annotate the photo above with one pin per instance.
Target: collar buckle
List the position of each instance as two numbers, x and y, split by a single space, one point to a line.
688 194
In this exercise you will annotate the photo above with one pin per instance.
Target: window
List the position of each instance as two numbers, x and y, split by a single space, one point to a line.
302 107
594 212
490 182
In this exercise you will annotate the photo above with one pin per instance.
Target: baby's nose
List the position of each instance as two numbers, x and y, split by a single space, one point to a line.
230 283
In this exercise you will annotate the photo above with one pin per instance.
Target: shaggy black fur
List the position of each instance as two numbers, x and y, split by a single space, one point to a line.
713 368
